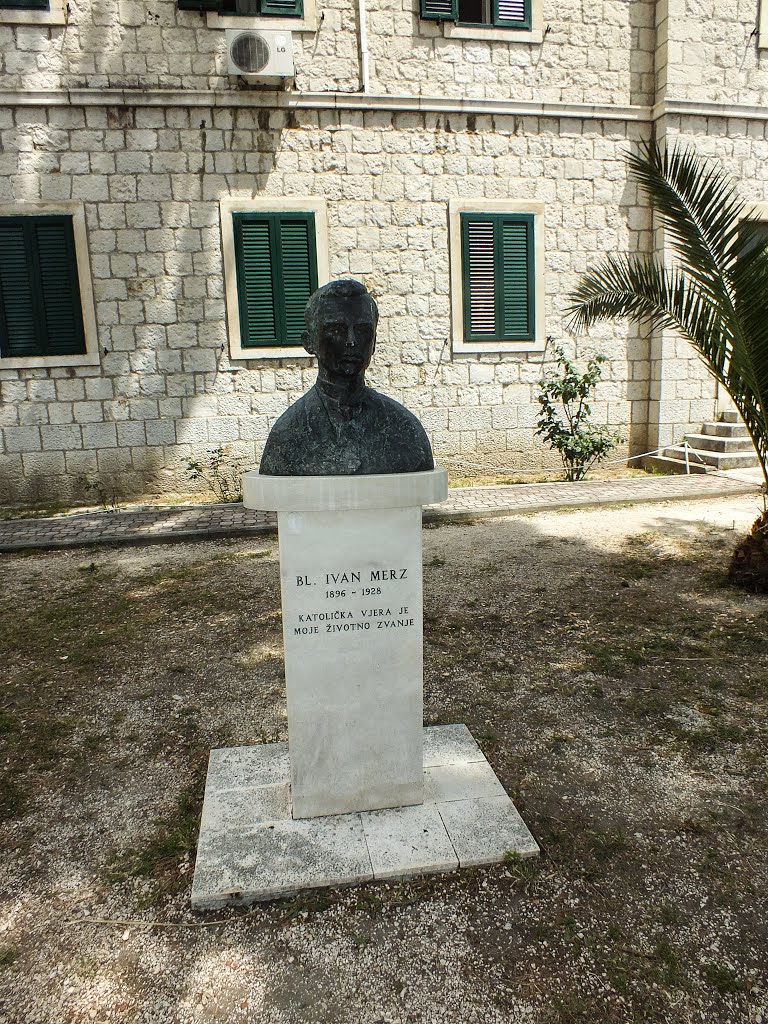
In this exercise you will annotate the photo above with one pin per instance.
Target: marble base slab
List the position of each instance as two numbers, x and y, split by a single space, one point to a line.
250 847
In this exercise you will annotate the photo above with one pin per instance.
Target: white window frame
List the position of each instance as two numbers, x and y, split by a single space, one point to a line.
90 357
455 208
230 205
496 34
55 15
762 26
268 23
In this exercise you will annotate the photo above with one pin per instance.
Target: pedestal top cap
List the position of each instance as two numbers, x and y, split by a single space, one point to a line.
337 493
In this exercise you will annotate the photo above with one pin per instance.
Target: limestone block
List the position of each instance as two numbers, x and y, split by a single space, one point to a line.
61 438
99 435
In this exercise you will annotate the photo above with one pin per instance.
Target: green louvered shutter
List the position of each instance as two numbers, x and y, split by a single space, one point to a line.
19 333
517 277
498 277
25 5
299 272
61 310
255 281
199 5
276 273
479 277
283 8
40 311
440 10
512 13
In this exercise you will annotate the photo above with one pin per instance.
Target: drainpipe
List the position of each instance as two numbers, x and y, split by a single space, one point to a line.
362 18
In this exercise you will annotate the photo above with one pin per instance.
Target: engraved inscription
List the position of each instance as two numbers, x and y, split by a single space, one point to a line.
349 587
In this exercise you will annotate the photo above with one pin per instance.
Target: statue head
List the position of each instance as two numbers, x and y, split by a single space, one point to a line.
341 320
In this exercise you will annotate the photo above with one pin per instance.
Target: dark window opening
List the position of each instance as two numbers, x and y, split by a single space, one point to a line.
474 12
40 310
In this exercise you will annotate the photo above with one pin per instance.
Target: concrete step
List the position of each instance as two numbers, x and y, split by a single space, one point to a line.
714 460
664 465
725 429
730 416
718 443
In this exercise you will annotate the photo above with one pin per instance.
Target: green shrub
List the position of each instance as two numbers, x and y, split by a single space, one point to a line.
565 411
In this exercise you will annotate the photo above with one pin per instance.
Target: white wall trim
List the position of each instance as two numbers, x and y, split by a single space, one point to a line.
347 101
91 355
344 101
459 206
232 204
692 108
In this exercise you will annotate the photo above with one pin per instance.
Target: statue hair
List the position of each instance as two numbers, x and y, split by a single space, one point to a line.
346 288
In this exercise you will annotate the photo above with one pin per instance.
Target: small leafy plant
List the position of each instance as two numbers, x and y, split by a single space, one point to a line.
565 412
100 490
221 471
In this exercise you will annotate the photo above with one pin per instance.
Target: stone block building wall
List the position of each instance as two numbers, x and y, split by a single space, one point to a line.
594 53
712 52
127 114
166 390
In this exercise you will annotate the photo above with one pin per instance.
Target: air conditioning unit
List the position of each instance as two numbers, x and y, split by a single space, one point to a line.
259 55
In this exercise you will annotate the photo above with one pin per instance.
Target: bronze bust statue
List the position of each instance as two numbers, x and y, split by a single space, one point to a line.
341 426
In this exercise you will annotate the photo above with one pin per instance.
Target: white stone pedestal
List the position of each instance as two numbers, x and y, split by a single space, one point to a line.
360 792
351 583
251 848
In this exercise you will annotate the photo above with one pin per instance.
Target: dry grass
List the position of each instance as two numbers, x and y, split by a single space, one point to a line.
616 683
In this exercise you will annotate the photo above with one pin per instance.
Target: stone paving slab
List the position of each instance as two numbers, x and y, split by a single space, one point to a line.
251 848
198 522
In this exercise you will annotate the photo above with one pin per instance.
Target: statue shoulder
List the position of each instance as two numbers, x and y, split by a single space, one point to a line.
292 418
395 410
283 445
404 435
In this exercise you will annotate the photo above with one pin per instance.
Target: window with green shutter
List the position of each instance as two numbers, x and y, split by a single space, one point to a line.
25 5
276 260
247 8
497 13
498 274
40 309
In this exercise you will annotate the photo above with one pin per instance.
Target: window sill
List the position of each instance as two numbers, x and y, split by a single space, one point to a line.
37 362
490 34
497 347
251 355
267 23
57 15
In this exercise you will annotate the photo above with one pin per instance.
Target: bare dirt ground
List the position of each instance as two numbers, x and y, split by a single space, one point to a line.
616 683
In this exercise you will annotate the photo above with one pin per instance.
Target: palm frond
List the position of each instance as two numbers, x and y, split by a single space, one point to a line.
715 294
699 207
641 289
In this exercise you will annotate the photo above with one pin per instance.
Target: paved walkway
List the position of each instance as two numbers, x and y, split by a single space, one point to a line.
195 522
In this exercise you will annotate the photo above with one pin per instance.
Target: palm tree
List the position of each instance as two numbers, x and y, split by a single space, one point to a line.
716 292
